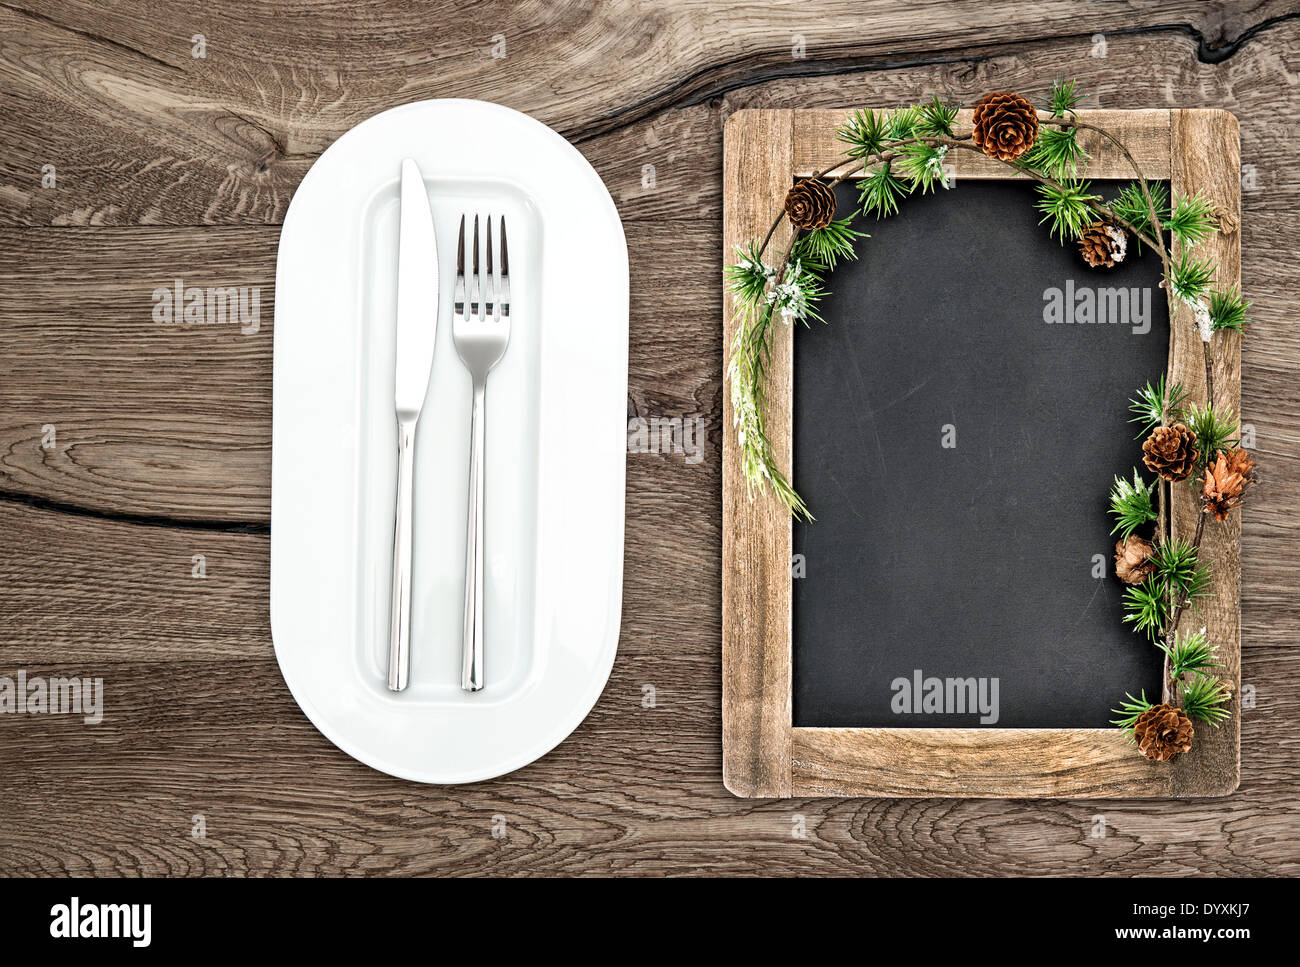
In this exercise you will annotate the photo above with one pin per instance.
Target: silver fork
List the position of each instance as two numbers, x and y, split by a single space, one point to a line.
481 331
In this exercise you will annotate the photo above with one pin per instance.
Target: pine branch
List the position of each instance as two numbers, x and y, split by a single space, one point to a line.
750 352
1130 205
1056 152
1206 697
1228 309
1066 208
921 163
1065 97
1156 404
1190 653
1156 235
1189 278
1146 606
1216 432
937 118
822 248
1177 566
1171 627
1129 711
880 192
1192 219
865 133
1130 503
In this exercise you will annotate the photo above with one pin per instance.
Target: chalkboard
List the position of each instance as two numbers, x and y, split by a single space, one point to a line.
957 445
957 424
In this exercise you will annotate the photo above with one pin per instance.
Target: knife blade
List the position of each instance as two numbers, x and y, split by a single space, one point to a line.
417 294
417 327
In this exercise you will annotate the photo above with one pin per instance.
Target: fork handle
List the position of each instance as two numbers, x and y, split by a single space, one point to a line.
471 671
399 629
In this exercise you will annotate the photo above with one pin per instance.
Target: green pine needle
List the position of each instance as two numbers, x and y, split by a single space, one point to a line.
865 133
1057 153
1216 431
1177 565
822 248
1228 309
868 133
1155 404
1129 711
1206 697
922 165
746 376
1147 606
904 123
749 276
1065 97
1131 205
1192 219
1191 277
937 118
1190 653
1065 208
1131 504
796 296
880 192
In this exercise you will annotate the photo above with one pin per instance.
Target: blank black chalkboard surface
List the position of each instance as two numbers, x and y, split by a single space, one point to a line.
950 625
957 423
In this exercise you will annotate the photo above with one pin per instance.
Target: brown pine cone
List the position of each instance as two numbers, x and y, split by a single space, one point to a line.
810 204
1006 125
1226 481
1162 731
1103 245
1133 560
1171 452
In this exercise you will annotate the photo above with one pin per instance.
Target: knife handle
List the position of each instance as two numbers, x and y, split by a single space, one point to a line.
399 633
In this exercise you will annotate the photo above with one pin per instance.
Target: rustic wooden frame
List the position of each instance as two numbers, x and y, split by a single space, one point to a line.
763 754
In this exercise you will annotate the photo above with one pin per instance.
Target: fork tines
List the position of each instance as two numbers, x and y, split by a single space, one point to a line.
488 292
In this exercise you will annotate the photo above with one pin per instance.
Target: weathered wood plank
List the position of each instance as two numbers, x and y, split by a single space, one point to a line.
141 131
634 791
81 589
978 763
756 537
1207 161
1144 133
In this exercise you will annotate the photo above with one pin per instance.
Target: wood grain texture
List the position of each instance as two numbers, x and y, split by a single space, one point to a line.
1144 133
144 132
756 535
147 139
976 763
1206 160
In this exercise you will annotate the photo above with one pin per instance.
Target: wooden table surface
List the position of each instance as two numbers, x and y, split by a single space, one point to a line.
169 165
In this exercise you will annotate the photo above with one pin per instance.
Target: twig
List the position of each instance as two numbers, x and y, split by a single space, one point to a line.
770 232
1182 599
1161 529
1167 688
1209 372
1146 192
886 153
1156 225
1094 202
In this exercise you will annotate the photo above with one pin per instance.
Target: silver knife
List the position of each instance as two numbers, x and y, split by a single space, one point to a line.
417 325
